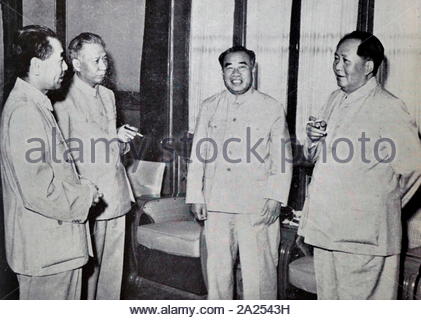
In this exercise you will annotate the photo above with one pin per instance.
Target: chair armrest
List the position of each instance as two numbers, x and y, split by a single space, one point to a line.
306 249
292 247
145 219
167 209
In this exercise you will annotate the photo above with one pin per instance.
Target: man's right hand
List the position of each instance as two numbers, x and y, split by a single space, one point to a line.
313 133
96 195
200 211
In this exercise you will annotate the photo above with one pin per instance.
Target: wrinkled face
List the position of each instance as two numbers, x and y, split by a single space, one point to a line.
52 69
350 69
91 63
237 72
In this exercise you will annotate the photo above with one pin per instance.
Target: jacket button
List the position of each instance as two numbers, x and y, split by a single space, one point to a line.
228 169
60 222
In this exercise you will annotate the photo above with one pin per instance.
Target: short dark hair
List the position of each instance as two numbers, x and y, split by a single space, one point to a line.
370 47
250 53
29 42
84 38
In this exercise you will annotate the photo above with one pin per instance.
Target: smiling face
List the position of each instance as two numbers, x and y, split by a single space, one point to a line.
237 72
53 68
351 70
91 63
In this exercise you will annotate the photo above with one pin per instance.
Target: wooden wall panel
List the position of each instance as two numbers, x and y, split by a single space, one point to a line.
12 21
164 84
240 23
365 15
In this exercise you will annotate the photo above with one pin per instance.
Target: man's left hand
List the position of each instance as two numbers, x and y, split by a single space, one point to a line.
270 212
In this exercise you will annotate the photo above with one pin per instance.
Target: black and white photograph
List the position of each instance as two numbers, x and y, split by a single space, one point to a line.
265 154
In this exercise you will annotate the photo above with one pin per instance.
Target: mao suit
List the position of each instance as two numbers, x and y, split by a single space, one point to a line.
87 118
357 192
45 204
240 157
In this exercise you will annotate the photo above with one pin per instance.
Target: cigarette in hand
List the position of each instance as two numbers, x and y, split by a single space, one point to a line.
318 124
136 132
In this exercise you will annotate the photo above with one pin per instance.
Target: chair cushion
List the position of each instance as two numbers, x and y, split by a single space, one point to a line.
146 177
180 238
301 274
168 209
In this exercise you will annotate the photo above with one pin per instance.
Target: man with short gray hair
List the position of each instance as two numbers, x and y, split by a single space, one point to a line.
87 117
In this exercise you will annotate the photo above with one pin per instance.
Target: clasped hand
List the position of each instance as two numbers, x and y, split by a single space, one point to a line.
96 194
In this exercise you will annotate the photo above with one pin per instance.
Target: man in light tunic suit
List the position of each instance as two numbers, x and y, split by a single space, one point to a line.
367 166
238 179
46 203
87 118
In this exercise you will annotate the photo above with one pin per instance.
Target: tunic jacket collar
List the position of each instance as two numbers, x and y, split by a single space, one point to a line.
37 96
84 87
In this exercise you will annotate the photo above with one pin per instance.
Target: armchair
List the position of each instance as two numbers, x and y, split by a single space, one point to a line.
296 277
167 245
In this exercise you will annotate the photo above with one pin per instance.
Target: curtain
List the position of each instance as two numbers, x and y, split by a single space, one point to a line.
397 25
2 78
268 24
211 33
323 23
